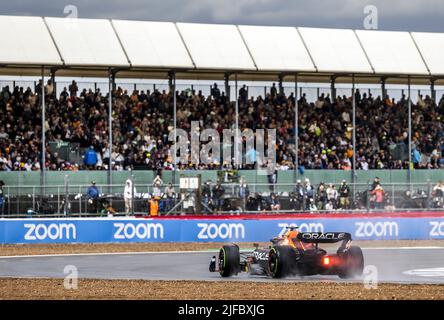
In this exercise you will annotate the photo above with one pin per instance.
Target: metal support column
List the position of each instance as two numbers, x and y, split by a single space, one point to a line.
333 89
432 90
410 133
281 87
111 78
383 90
237 124
227 85
42 168
53 82
170 82
354 130
173 76
296 127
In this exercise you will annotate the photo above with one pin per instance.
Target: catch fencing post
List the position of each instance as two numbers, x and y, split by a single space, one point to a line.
367 198
80 201
429 190
58 200
393 194
33 198
66 206
132 194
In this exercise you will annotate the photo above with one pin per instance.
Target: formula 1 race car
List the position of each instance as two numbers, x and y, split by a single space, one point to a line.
283 259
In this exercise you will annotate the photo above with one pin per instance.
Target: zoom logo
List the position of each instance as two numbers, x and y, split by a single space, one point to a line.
303 227
222 231
53 231
378 229
139 231
437 228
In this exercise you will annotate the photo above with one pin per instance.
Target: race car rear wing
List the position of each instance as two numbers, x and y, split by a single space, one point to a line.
323 237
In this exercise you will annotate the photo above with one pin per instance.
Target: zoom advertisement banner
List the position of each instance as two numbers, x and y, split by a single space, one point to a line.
84 230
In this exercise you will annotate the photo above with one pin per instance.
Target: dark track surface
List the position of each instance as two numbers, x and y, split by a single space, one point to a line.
394 265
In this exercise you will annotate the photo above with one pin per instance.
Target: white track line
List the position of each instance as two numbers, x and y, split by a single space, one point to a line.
104 254
179 252
400 248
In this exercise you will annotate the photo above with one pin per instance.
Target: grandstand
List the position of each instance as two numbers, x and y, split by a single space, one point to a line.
350 132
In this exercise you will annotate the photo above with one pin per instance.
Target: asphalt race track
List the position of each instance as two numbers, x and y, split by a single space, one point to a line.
394 265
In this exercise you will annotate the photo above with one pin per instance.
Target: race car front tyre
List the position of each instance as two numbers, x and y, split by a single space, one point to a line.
229 260
353 263
282 261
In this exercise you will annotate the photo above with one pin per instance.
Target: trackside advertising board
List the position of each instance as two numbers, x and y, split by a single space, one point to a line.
93 230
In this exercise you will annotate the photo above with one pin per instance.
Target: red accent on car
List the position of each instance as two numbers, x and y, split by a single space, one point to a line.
326 261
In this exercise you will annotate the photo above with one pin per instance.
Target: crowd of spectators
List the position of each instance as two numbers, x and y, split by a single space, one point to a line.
142 121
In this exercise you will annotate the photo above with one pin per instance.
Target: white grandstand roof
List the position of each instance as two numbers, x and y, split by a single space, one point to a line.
392 52
88 47
216 46
87 42
335 50
431 46
277 48
152 44
26 41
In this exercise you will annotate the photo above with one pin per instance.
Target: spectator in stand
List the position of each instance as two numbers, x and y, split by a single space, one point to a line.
215 92
218 194
298 195
243 192
92 195
438 189
90 158
344 195
170 194
273 90
207 198
157 185
141 124
107 209
154 206
275 205
438 195
376 182
309 193
379 193
329 206
332 195
128 195
73 88
321 197
271 174
243 94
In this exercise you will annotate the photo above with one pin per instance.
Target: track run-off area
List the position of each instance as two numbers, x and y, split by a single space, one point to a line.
410 265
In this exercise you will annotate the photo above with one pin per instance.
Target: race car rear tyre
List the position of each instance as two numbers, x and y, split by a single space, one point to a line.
282 261
353 263
229 260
